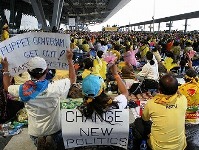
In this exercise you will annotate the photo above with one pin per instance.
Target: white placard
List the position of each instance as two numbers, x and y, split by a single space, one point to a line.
21 48
78 131
71 22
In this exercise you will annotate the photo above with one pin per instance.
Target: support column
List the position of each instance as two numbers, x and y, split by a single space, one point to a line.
150 27
134 28
3 19
144 27
57 10
185 26
12 14
39 12
170 25
18 19
159 26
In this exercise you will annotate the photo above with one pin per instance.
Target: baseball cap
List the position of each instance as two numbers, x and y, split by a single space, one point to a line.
37 62
92 85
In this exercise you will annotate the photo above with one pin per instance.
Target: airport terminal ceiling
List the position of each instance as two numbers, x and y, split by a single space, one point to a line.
86 11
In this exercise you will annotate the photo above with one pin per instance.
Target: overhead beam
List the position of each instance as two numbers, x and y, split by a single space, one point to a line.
190 15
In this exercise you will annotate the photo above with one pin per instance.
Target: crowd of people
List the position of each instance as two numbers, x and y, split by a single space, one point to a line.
95 59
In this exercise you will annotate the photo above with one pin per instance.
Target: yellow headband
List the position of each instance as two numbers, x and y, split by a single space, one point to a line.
109 101
193 79
89 100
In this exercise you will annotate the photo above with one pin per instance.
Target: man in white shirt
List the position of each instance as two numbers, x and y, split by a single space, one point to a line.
42 101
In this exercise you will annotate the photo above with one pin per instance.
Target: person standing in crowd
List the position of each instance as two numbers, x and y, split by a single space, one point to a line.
167 112
42 99
5 32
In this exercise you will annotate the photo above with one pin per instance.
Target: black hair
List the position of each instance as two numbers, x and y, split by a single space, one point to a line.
99 105
54 29
168 84
190 73
149 56
128 47
100 53
37 73
188 43
88 63
50 74
84 42
176 43
154 49
103 43
72 40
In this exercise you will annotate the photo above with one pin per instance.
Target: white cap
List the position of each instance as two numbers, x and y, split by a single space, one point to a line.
37 62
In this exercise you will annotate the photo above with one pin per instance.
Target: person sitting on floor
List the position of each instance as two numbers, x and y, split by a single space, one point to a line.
149 72
88 67
42 99
100 66
95 98
167 112
191 90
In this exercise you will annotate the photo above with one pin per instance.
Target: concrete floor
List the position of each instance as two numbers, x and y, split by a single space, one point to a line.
21 141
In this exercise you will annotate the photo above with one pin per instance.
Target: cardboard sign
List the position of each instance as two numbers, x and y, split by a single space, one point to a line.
20 48
112 130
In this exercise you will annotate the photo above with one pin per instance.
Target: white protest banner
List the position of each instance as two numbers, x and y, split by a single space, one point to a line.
50 46
78 131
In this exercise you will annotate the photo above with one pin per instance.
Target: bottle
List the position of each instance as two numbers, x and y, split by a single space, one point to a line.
143 145
109 88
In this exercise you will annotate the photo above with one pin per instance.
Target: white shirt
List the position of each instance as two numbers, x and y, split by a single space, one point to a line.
150 71
122 101
103 48
44 117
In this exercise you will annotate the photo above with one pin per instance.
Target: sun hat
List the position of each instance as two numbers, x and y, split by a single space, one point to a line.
37 62
92 86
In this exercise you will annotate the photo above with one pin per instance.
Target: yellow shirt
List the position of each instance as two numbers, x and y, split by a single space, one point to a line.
61 74
191 91
85 47
72 46
80 41
85 73
168 116
143 50
100 68
5 35
21 79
